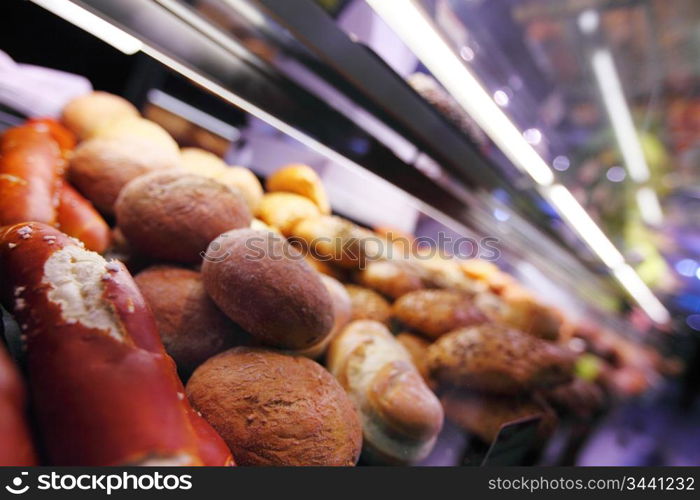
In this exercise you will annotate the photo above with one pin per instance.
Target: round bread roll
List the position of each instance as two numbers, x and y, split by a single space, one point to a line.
101 167
523 312
263 283
172 215
342 309
417 347
368 304
85 114
390 278
276 410
135 126
199 161
499 360
302 180
191 327
284 210
436 312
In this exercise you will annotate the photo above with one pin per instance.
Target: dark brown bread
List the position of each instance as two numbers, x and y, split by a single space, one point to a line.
262 283
276 409
191 327
172 215
497 359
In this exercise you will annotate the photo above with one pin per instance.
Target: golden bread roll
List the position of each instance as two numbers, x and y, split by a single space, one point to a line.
496 359
342 309
302 180
284 210
391 278
417 347
368 304
484 414
436 312
85 114
337 241
523 312
101 167
326 268
201 161
400 416
276 409
135 126
173 215
263 283
191 327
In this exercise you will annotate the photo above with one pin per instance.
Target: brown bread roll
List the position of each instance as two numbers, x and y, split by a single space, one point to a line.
191 327
173 215
484 414
368 304
263 283
276 409
101 167
523 312
401 417
436 312
391 278
302 180
85 114
496 359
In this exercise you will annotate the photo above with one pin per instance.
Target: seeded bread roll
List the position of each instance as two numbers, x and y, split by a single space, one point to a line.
302 180
436 312
499 360
277 409
401 417
174 215
391 278
191 327
101 167
264 284
87 113
368 304
483 414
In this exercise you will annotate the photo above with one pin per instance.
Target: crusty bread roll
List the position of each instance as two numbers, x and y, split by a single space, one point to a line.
263 283
199 161
417 347
342 309
191 327
401 417
337 240
523 312
85 114
135 126
484 414
443 271
391 278
173 215
276 409
368 304
302 180
436 312
284 210
101 167
326 268
497 359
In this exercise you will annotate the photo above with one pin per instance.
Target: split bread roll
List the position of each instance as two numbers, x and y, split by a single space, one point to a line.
436 312
302 180
401 417
276 409
86 114
496 359
264 284
173 215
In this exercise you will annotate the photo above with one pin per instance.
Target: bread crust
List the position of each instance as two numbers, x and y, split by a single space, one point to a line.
277 409
368 304
262 283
